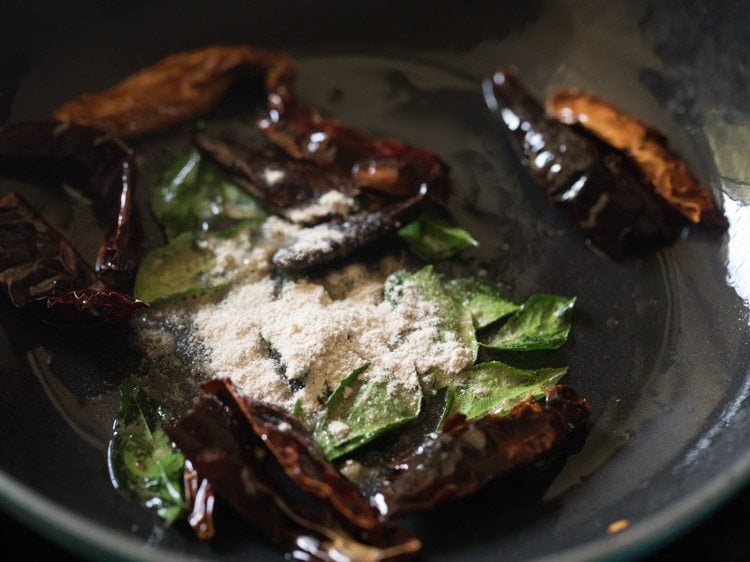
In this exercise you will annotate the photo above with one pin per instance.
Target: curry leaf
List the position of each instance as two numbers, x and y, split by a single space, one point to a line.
393 286
200 209
542 322
434 239
455 318
144 463
297 411
361 409
495 387
188 265
195 195
484 300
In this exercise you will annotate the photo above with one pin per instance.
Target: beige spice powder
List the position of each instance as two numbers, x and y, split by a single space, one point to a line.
295 342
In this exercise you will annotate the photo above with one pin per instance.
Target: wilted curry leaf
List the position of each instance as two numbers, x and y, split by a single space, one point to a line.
434 239
144 462
455 318
188 265
359 410
194 195
542 322
494 388
484 300
338 239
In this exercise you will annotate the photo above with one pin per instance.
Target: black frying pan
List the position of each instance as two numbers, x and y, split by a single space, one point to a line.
661 343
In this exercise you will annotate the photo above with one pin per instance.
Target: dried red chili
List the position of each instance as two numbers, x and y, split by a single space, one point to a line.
645 145
287 186
385 165
177 88
200 498
264 464
40 269
339 239
101 167
595 185
296 186
468 454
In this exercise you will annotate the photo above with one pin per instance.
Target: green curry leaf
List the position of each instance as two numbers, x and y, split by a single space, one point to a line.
485 301
393 286
542 322
360 409
194 195
495 387
455 318
199 208
433 239
185 266
144 463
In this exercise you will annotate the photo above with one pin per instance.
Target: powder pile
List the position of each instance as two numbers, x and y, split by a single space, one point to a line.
300 239
293 341
331 203
253 253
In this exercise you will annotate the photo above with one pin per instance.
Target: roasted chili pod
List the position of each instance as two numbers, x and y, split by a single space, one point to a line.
35 261
40 269
339 239
291 188
385 165
265 465
598 187
200 498
299 455
647 147
295 190
468 454
179 87
101 167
